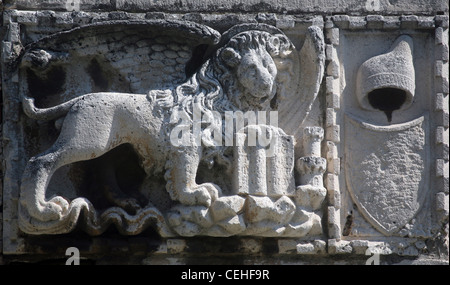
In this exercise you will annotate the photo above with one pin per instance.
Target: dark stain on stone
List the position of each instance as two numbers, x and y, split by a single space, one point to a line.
196 60
387 100
43 86
348 225
94 69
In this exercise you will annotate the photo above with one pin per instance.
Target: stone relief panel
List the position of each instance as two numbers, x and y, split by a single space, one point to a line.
381 128
328 134
386 84
170 125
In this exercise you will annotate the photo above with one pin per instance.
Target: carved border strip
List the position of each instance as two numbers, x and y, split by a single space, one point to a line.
332 134
11 137
441 105
298 6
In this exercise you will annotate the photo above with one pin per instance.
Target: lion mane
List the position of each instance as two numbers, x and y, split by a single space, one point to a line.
214 87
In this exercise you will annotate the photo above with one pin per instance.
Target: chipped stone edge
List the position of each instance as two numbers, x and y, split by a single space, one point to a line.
406 247
351 7
252 246
381 22
66 20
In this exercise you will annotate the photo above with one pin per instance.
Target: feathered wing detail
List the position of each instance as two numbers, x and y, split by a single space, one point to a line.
300 91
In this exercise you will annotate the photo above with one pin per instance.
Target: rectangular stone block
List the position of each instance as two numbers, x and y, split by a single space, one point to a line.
375 21
333 100
334 229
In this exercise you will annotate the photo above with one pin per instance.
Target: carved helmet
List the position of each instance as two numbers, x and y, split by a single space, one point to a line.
392 70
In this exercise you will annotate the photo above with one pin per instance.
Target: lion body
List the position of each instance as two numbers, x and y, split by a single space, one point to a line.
103 121
96 123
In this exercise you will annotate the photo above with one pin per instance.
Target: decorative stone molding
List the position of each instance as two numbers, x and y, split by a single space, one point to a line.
332 133
441 115
235 6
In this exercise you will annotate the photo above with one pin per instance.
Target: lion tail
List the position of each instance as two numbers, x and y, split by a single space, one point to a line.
46 114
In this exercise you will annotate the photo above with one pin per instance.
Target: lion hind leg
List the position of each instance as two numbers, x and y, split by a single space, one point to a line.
33 187
180 176
38 173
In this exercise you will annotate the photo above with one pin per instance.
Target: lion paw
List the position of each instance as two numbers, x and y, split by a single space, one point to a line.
204 194
213 190
53 209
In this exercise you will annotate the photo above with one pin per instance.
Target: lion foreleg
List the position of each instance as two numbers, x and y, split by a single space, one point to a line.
181 185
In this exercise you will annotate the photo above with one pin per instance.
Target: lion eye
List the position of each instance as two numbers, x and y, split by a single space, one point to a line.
251 68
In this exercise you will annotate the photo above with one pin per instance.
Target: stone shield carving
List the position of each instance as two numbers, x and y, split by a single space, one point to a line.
386 171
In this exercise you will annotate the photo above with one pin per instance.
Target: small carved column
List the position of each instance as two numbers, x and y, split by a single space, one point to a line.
311 193
311 167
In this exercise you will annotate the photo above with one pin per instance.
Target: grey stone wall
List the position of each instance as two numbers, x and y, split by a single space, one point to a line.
354 7
354 31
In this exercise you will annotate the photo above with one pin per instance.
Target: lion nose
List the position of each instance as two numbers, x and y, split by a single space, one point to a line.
265 79
266 85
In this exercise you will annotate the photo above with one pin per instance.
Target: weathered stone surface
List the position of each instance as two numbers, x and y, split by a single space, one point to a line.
393 150
125 116
379 6
263 208
262 170
395 70
310 196
183 132
225 207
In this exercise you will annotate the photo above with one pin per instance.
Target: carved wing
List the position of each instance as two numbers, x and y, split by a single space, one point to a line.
119 56
299 78
301 91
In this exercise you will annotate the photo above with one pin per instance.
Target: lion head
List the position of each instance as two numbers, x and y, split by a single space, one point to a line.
253 59
244 74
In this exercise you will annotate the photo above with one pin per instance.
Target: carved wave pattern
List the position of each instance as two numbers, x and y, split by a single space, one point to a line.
95 224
